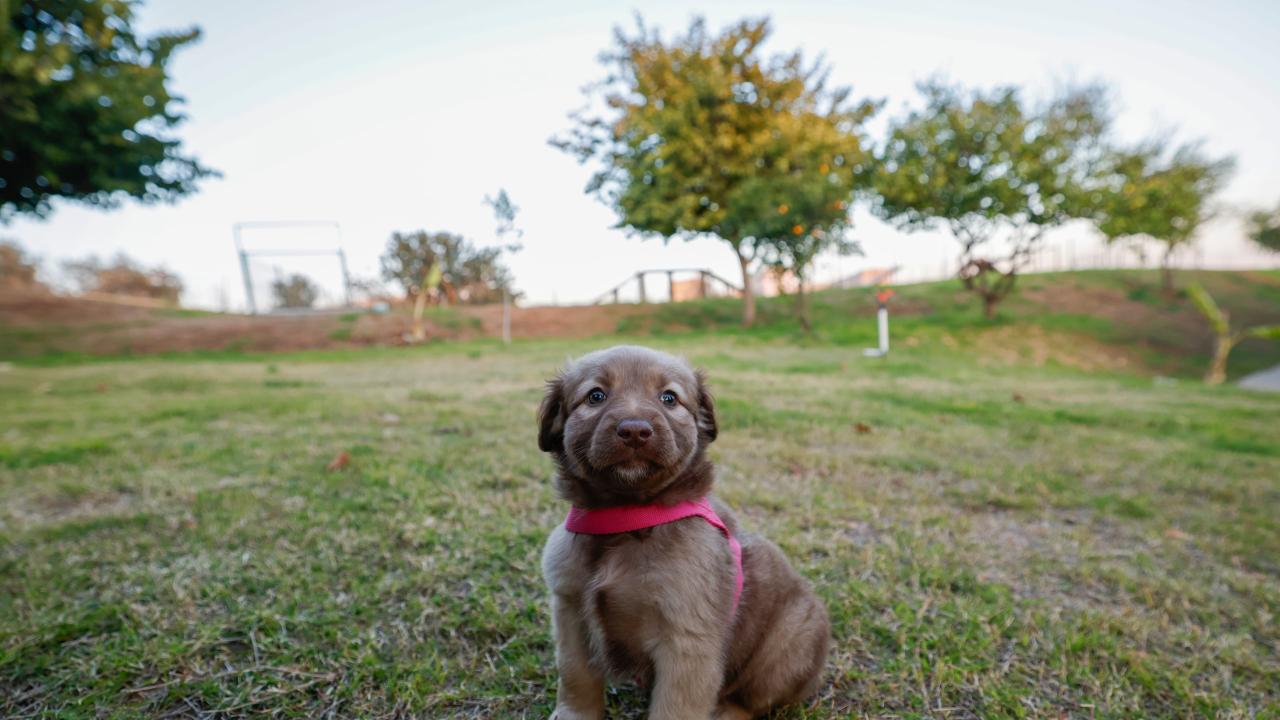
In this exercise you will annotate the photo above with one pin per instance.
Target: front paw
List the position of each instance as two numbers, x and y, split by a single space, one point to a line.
567 713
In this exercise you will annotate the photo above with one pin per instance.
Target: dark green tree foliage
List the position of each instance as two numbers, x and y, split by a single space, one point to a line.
294 292
85 113
1152 192
990 167
1263 227
704 135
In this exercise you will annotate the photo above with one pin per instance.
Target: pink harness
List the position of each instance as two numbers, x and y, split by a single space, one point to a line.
614 520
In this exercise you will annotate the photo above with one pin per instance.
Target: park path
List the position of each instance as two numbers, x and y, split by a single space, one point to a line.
1263 380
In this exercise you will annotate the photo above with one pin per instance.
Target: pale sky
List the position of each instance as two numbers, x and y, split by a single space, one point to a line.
396 115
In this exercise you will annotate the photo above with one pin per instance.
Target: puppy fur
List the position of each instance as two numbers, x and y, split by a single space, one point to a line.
656 605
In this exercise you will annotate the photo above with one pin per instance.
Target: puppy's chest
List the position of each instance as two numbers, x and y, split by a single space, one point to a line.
623 611
637 589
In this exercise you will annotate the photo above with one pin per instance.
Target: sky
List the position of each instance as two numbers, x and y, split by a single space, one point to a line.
392 115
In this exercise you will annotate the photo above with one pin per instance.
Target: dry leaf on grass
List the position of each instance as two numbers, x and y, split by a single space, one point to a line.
341 461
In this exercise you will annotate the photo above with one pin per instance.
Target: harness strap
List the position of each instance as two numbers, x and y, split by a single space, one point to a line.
628 518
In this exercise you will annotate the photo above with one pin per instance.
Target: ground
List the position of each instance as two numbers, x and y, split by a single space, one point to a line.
996 534
1118 320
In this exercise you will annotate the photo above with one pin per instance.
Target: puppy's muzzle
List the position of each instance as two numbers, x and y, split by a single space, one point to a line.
634 432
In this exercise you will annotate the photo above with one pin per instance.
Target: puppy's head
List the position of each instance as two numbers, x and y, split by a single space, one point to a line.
625 424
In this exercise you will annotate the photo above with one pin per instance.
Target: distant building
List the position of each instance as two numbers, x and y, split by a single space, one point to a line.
866 278
768 282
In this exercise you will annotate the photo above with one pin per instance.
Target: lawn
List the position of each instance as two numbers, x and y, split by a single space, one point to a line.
995 535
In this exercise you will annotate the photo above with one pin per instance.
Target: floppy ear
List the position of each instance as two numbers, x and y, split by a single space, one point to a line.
706 409
551 418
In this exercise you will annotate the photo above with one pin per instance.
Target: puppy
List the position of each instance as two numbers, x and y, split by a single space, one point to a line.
644 575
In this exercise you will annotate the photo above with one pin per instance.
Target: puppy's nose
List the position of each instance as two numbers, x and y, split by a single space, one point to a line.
635 432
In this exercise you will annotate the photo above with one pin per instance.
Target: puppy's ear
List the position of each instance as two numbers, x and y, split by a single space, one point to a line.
551 417
706 409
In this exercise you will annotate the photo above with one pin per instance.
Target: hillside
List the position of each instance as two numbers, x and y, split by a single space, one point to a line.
1096 320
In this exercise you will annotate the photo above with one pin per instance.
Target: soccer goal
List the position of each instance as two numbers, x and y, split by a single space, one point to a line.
293 265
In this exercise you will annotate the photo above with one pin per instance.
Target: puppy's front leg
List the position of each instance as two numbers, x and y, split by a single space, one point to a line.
580 694
688 673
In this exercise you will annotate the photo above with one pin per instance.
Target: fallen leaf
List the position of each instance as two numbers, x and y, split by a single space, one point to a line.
862 428
1176 534
341 461
1017 397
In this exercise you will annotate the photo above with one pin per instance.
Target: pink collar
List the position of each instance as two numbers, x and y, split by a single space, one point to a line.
626 518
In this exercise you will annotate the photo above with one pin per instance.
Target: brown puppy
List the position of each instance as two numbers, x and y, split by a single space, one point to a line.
630 426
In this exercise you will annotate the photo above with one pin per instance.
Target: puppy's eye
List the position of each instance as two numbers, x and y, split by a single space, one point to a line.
668 398
595 397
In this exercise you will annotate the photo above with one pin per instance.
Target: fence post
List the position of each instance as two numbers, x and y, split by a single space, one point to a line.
671 286
640 282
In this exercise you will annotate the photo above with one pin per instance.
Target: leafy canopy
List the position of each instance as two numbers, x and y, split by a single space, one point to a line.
1151 192
985 161
1263 228
445 265
85 113
294 292
705 135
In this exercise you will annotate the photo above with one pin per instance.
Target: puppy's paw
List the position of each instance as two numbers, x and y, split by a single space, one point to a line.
567 713
731 711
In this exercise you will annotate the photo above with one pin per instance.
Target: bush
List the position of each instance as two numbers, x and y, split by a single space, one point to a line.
17 269
124 276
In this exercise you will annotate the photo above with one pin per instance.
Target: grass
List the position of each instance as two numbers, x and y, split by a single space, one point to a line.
1005 537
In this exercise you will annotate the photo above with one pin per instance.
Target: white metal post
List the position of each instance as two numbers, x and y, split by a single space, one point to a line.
883 316
506 317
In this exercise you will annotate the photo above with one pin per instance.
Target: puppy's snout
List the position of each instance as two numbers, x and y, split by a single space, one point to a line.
635 432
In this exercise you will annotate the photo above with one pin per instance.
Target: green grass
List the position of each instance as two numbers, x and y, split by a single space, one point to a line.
170 541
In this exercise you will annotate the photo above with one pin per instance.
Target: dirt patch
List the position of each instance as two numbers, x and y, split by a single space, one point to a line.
39 323
1037 346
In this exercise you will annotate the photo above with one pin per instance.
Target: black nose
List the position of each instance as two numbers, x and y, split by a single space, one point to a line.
635 432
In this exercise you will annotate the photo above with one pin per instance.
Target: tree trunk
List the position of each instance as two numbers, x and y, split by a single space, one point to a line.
1166 271
1218 368
419 305
748 293
989 306
802 308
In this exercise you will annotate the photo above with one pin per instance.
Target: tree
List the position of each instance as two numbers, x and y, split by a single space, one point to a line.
1148 192
413 261
443 267
86 114
124 276
991 167
1263 227
294 292
505 211
694 133
1225 339
17 269
409 260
